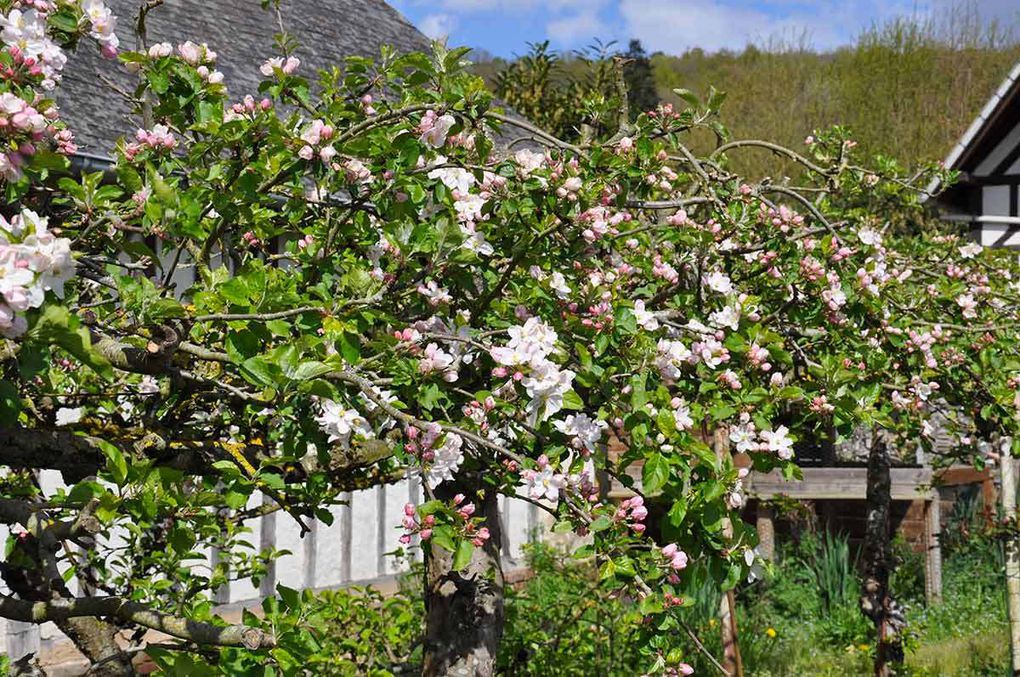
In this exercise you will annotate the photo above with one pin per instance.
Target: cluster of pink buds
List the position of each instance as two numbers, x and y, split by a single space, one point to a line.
479 411
783 218
663 179
249 107
758 357
666 116
465 511
317 135
366 104
251 239
22 127
923 343
952 357
569 189
842 252
413 525
355 170
811 269
671 600
600 315
597 222
767 259
677 558
633 510
22 67
286 65
429 443
407 335
681 670
664 270
434 129
954 271
65 142
680 219
730 379
306 241
820 405
159 138
462 140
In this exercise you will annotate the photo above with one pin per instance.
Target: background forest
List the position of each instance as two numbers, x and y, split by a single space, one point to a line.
907 88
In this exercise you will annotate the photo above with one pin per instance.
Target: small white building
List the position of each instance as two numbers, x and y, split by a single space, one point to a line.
987 194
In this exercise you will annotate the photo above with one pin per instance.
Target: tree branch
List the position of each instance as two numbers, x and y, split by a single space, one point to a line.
139 614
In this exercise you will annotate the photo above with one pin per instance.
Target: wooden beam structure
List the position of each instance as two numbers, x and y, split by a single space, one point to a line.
835 484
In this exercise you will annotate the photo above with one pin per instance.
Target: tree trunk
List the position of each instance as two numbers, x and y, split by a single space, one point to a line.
876 600
464 609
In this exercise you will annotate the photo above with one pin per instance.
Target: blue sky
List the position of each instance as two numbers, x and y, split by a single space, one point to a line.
504 27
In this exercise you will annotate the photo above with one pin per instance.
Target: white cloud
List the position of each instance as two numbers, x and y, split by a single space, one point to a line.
673 26
437 26
577 29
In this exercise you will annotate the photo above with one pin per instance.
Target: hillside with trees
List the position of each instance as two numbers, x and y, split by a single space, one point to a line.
906 88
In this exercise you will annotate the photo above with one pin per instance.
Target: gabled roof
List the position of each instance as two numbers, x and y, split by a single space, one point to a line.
241 32
998 117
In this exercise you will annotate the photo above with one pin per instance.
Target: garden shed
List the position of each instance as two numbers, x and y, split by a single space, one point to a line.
987 156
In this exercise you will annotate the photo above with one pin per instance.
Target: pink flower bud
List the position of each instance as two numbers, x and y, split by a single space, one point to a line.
409 509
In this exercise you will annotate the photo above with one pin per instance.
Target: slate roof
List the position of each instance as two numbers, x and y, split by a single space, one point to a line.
241 32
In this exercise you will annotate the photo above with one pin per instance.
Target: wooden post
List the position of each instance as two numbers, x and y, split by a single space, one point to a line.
933 548
731 659
1008 499
766 531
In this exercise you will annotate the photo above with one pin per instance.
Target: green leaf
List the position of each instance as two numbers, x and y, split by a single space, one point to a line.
651 604
259 372
10 403
600 524
465 549
677 512
626 321
688 96
571 400
309 370
116 463
349 348
442 536
654 474
56 325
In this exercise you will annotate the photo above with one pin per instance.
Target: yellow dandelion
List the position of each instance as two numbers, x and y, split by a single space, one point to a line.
771 632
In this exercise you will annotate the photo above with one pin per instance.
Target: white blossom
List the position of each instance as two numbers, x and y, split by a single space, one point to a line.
544 483
342 423
68 416
446 460
779 442
969 251
719 281
583 428
546 386
645 319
